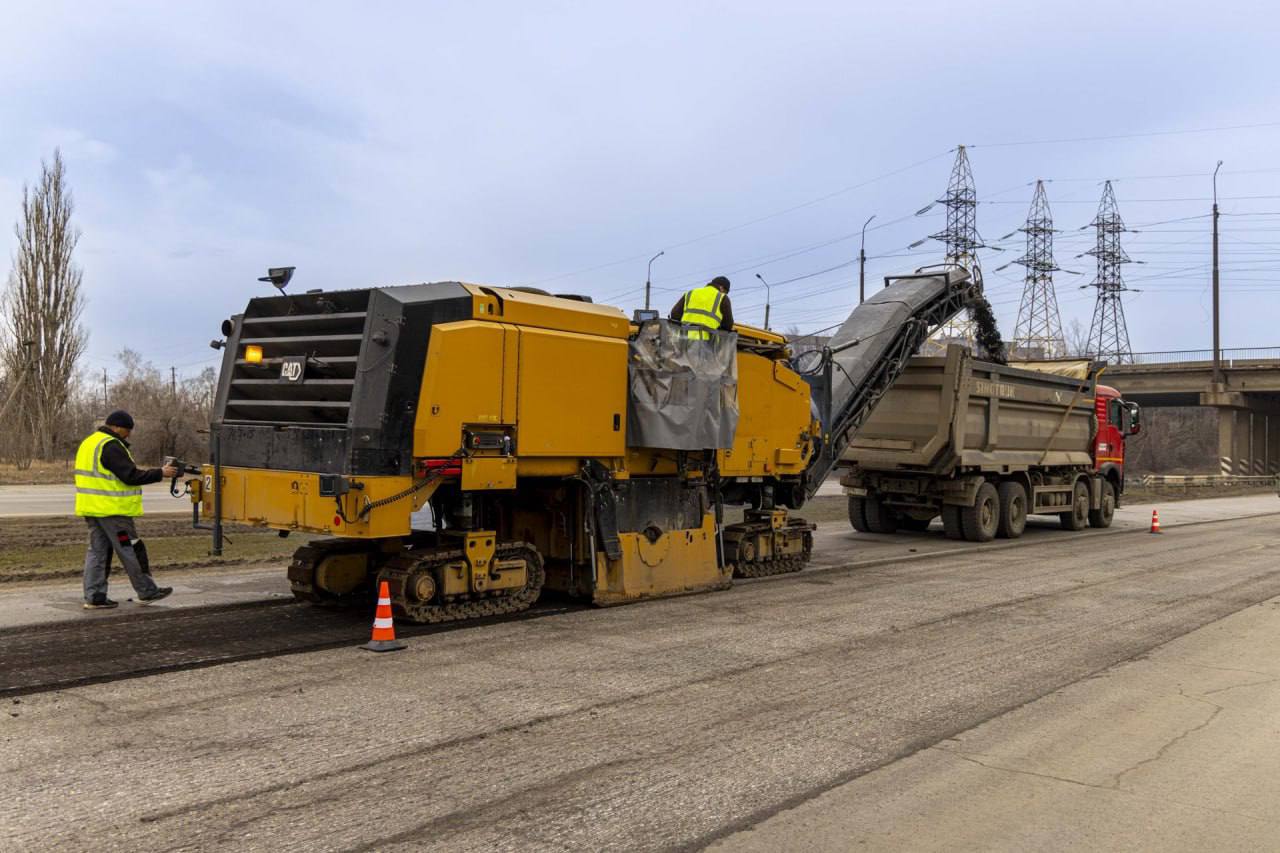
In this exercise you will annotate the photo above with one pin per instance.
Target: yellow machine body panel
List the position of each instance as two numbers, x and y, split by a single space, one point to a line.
678 561
773 420
573 395
534 310
291 500
469 381
558 393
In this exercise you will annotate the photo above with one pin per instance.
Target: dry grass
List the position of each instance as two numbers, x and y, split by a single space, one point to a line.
39 474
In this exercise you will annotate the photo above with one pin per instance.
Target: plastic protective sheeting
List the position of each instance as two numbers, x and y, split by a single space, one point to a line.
684 392
873 325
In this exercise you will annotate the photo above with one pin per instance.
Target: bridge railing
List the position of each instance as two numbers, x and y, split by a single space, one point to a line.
1204 355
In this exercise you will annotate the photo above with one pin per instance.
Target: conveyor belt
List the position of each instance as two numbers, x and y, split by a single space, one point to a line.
870 351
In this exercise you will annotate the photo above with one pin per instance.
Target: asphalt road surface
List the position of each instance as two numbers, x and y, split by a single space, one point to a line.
61 500
742 718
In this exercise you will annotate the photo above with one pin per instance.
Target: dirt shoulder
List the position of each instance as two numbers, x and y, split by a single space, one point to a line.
36 549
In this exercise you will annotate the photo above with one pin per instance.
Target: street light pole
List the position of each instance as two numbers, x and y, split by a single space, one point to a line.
768 297
1217 341
862 262
649 275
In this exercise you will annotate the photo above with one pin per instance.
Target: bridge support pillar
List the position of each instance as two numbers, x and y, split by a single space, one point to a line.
1235 430
1235 440
1258 445
1273 443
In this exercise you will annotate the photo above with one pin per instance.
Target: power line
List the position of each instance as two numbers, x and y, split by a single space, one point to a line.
1139 135
1199 199
750 222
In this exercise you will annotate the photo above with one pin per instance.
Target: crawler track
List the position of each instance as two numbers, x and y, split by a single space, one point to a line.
771 567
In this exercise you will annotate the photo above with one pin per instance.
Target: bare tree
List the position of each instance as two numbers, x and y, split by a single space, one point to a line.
1077 338
42 303
170 417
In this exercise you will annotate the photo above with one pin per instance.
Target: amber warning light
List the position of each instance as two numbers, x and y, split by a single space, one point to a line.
253 354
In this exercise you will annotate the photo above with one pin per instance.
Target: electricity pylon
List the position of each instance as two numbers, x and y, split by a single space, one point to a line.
1108 333
1038 333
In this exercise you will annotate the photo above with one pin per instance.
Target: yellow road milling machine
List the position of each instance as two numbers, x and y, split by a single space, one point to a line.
471 445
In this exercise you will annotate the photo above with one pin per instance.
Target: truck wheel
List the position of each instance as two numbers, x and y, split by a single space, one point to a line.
1013 510
880 518
1103 515
858 514
981 520
1078 518
951 522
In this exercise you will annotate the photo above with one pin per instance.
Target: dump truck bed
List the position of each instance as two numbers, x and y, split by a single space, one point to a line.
952 413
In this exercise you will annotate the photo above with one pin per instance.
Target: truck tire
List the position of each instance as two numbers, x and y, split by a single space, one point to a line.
951 522
1078 518
880 518
1013 510
858 514
1103 515
981 520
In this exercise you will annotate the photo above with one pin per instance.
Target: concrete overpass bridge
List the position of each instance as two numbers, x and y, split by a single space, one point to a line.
1247 400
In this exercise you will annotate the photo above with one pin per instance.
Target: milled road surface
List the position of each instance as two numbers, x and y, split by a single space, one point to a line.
670 724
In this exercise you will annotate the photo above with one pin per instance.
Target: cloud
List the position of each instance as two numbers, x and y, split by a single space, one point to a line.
514 144
79 147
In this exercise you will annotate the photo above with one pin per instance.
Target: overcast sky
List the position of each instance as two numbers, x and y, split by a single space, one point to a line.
562 144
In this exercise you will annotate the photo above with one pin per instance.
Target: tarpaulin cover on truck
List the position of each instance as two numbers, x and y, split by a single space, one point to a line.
1080 369
684 392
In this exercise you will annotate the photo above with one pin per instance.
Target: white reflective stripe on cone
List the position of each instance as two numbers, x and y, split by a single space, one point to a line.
384 602
382 623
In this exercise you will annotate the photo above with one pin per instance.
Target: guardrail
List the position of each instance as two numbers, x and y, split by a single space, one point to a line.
1204 355
1210 480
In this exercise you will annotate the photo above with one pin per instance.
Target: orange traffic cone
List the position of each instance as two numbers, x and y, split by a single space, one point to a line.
1155 521
384 632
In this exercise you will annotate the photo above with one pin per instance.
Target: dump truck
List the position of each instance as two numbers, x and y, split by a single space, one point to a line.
985 445
472 445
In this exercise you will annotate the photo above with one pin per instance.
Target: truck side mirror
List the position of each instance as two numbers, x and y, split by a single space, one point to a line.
1135 418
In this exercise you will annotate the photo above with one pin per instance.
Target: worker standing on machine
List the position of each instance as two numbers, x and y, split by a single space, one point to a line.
705 307
109 497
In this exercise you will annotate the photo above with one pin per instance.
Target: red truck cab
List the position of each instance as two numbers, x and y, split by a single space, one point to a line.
1117 419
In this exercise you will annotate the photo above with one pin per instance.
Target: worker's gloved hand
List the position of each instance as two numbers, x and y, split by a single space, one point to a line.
170 471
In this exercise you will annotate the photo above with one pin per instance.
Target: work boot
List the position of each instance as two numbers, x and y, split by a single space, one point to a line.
161 592
100 602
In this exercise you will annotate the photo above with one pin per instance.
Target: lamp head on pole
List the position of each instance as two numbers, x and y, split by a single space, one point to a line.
767 299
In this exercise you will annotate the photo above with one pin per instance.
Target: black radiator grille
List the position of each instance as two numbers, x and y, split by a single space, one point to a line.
327 332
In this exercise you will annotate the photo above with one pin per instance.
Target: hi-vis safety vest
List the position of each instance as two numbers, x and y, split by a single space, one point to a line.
702 308
100 493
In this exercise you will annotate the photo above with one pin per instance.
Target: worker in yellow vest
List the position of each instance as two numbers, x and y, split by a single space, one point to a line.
704 308
109 497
